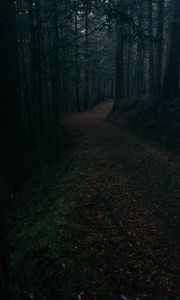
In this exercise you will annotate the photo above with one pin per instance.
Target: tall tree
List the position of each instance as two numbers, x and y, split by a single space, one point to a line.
171 77
77 60
138 86
151 48
10 120
119 84
159 47
10 116
87 87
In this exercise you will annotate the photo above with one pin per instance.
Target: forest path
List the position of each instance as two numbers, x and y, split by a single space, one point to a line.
149 170
102 224
128 204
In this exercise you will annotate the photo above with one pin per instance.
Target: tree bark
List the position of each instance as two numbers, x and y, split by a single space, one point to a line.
77 64
119 79
87 94
171 77
159 47
129 60
56 93
151 49
10 126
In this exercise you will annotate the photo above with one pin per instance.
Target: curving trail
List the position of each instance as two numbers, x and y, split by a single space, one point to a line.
103 223
150 171
128 207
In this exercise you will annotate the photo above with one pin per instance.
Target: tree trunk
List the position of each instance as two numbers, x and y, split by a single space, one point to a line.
77 64
10 112
33 74
151 49
10 126
159 48
171 77
119 81
40 117
56 94
129 57
87 95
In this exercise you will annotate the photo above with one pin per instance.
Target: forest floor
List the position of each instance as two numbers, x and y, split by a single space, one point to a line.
104 223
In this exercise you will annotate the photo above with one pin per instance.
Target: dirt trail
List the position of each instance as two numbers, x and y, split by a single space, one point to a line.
150 172
129 208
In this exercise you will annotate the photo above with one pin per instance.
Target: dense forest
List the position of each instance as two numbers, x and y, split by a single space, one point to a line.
62 58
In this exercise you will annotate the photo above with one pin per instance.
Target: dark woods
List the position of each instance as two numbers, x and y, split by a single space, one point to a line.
61 69
66 56
147 50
